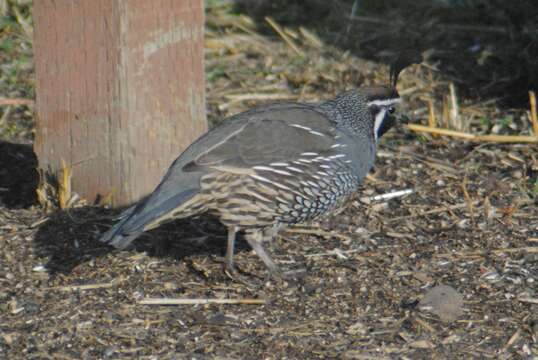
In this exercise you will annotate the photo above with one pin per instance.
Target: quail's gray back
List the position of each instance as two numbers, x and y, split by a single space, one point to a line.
274 165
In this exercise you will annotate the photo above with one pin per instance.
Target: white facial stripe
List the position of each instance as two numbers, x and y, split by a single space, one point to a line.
379 121
384 102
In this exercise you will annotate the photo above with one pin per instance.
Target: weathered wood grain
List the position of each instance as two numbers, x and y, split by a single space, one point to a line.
120 90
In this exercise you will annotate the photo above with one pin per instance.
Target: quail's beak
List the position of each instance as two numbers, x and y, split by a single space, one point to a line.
400 116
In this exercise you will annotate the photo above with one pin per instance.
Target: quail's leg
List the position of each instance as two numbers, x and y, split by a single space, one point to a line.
229 259
230 245
268 236
255 239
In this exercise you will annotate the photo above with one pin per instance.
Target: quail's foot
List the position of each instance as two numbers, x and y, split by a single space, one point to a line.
233 273
238 277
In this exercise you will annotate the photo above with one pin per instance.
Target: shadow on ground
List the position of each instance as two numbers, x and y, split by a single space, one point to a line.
487 48
18 175
70 238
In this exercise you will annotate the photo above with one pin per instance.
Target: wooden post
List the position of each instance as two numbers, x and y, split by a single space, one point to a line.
120 90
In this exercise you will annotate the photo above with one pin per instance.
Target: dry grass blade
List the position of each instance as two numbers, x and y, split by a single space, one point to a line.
534 113
432 162
64 184
5 116
468 199
311 38
473 137
512 340
438 210
24 23
432 121
85 287
455 117
424 324
169 301
446 112
529 300
16 102
316 232
336 252
525 249
47 194
283 35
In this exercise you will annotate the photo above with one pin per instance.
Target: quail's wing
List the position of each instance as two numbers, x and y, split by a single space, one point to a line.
280 135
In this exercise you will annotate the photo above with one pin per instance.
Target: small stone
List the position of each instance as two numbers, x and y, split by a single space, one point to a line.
517 174
357 329
443 301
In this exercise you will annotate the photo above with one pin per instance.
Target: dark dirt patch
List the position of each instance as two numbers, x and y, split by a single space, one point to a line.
18 175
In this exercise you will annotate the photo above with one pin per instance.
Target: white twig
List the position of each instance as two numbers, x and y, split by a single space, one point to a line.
387 196
85 287
336 252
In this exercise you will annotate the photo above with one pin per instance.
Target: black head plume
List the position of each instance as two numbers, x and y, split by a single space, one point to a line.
404 59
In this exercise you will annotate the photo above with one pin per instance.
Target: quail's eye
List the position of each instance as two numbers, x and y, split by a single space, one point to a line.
391 110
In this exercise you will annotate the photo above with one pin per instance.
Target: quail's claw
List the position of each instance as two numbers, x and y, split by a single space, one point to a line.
236 276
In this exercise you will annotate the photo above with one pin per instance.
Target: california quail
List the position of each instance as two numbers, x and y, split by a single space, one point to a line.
267 167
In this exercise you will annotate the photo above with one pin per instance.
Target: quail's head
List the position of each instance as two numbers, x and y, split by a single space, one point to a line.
381 100
381 104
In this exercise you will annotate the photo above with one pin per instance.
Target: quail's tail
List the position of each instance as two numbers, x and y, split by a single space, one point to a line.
135 220
115 236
